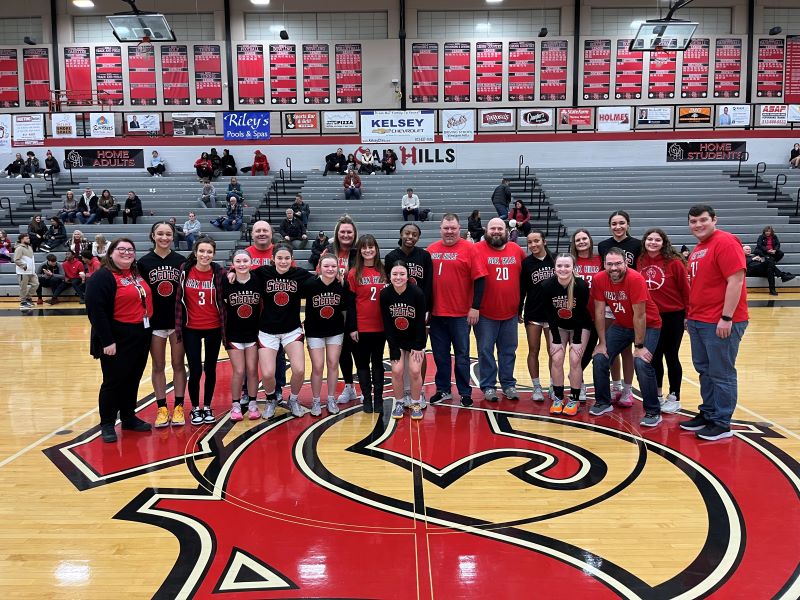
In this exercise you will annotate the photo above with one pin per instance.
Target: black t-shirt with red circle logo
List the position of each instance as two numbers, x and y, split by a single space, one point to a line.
561 314
282 293
324 308
243 306
404 317
162 276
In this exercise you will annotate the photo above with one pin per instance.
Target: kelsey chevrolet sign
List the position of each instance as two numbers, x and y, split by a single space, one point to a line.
390 126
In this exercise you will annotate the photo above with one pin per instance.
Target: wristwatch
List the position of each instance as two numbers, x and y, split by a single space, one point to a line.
638 346
726 318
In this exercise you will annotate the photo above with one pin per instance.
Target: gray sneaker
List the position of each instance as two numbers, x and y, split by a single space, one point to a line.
333 408
348 394
316 408
650 420
416 412
397 412
295 408
269 409
511 393
490 395
538 395
600 409
422 401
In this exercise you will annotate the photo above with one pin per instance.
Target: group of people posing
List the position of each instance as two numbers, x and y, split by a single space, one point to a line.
623 308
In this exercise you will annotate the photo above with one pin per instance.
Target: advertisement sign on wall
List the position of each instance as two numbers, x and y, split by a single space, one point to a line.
28 130
246 125
774 114
536 118
339 119
613 118
575 116
734 115
194 123
388 126
705 151
64 125
497 118
117 158
794 113
654 115
5 131
102 125
694 114
458 125
144 122
300 120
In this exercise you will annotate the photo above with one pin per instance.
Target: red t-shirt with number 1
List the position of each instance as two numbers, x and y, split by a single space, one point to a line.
710 264
198 295
620 298
455 268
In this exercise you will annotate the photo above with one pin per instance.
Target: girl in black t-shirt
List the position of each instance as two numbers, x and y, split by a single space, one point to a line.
324 329
242 298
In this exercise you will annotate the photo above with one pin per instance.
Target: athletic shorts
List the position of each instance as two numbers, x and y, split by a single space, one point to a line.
241 345
395 352
163 333
542 324
321 342
275 341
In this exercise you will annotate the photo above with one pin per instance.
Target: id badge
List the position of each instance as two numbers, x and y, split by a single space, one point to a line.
146 322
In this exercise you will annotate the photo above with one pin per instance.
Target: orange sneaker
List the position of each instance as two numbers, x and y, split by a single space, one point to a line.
570 408
178 418
557 406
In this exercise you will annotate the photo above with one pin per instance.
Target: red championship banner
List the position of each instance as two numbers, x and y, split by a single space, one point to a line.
250 73
456 71
142 75
553 74
521 71
792 69
489 71
9 78
694 72
630 71
727 68
207 74
661 79
283 73
316 74
36 76
108 74
769 74
425 72
78 75
596 69
175 74
348 74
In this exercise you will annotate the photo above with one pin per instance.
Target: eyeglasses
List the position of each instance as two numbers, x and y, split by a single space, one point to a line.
125 250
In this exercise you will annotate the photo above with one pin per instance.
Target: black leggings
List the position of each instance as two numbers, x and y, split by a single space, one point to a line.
123 371
589 350
669 344
346 359
369 353
192 342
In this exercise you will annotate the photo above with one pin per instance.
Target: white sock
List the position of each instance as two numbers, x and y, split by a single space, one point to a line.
537 382
315 399
293 397
617 383
331 398
626 387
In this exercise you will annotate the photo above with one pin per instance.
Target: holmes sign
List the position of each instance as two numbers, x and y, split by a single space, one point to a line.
705 151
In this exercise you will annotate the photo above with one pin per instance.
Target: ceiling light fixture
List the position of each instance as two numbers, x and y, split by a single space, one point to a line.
259 2
83 3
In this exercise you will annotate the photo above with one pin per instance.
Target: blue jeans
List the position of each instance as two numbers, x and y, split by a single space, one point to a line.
410 212
502 211
714 360
617 339
230 224
352 193
489 334
87 220
447 331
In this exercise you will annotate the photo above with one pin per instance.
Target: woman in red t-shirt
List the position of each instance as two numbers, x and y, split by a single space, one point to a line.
587 265
119 306
200 320
664 272
364 320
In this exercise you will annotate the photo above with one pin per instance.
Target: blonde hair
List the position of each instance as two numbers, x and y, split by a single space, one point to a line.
100 240
571 285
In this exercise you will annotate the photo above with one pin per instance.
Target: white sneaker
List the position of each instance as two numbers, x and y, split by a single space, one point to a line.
422 400
295 408
538 395
406 398
269 409
582 397
348 394
332 406
626 400
670 405
316 408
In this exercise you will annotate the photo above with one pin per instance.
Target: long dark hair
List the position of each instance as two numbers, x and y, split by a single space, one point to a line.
368 240
156 226
573 250
191 260
624 215
108 262
522 207
668 251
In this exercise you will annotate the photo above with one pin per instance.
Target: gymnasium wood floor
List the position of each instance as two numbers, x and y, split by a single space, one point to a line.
496 500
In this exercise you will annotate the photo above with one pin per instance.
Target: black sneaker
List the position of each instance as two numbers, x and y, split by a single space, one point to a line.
787 276
136 424
713 432
439 396
695 423
466 400
196 416
208 415
367 405
108 433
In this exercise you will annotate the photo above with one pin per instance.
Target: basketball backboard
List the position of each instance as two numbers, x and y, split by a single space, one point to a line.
658 35
137 27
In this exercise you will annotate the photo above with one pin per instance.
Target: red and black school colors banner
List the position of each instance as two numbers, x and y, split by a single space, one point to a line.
108 74
207 74
349 85
521 71
316 74
662 74
175 74
553 74
9 78
489 71
36 76
769 73
283 73
630 71
425 72
142 75
596 69
78 75
456 71
250 73
694 72
727 68
792 69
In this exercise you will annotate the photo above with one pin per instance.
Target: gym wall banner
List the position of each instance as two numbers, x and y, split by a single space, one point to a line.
458 125
654 115
339 120
705 151
102 125
64 125
536 118
614 118
774 114
194 123
144 122
5 131
246 125
694 114
94 158
389 126
28 130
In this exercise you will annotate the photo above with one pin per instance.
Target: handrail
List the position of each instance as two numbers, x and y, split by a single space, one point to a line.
68 165
28 189
743 157
519 167
559 236
547 222
289 164
10 214
283 181
527 172
759 170
541 201
797 205
778 183
48 177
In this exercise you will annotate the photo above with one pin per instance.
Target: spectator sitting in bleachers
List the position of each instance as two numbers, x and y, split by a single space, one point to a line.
234 187
157 165
521 217
179 236
317 248
352 186
389 162
191 229
216 161
761 266
794 157
31 168
38 231
90 264
107 207
228 163
410 205
768 245
55 236
474 226
301 209
208 194
260 163
99 246
50 277
132 209
6 250
51 166
77 243
293 231
232 221
368 163
87 207
73 274
351 162
69 208
203 167
335 162
14 168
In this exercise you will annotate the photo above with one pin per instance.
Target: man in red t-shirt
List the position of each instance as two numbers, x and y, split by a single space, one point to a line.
716 321
636 320
499 313
458 284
